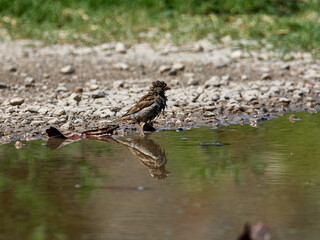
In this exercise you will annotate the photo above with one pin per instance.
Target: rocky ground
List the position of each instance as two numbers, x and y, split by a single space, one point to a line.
80 88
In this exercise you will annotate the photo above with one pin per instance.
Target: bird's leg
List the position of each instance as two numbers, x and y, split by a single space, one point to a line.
141 129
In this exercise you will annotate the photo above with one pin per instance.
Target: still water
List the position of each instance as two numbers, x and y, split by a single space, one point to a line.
197 184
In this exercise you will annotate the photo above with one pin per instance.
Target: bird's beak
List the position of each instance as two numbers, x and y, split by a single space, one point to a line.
167 88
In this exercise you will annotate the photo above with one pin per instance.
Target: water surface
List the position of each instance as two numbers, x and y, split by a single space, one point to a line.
197 184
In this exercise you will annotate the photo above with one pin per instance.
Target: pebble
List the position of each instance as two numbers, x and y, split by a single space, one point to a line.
164 68
192 82
16 101
66 126
75 97
12 68
36 123
198 47
266 76
220 100
59 112
283 99
98 94
244 77
274 90
178 67
53 121
61 88
67 69
3 85
94 87
33 109
121 66
120 48
29 81
214 81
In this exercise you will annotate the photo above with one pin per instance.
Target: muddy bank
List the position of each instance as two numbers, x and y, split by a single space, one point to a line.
79 88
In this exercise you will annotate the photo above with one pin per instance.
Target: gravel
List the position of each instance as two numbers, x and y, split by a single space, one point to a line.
210 86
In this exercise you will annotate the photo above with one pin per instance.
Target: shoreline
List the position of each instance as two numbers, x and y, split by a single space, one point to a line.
81 88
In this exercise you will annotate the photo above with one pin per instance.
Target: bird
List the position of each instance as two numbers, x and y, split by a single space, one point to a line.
149 106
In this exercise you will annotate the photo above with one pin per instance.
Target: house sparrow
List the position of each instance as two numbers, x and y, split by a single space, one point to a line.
149 106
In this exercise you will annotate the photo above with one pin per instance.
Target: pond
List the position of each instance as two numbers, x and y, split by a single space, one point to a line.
201 183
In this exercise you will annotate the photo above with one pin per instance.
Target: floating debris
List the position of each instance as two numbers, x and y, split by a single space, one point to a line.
180 129
293 118
213 144
19 145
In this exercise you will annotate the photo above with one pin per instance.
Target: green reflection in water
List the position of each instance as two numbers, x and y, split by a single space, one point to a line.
37 186
48 194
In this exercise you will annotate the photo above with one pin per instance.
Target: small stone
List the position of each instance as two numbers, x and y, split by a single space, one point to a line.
274 90
59 112
66 126
67 69
32 109
250 95
120 48
121 66
214 81
29 81
78 90
225 79
209 108
54 121
2 85
173 72
215 97
61 88
36 123
164 68
193 82
266 76
181 116
118 84
94 87
244 77
189 75
16 101
43 110
221 61
285 66
46 75
98 94
18 145
198 47
12 69
209 114
178 66
236 54
75 97
285 100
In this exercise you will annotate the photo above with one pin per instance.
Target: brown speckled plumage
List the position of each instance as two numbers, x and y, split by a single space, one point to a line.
150 105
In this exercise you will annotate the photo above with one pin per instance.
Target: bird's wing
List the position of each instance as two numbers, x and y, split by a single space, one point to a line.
144 102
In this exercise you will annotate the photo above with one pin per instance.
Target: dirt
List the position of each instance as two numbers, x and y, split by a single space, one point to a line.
129 75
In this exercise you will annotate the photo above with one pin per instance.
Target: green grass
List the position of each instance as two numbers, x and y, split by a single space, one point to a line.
288 24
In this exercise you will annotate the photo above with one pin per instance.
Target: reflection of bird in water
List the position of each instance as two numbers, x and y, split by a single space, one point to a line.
146 150
150 154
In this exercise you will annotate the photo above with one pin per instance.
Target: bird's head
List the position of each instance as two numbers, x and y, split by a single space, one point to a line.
159 87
